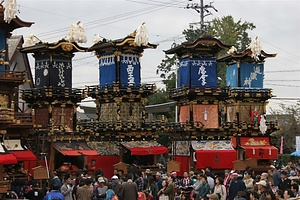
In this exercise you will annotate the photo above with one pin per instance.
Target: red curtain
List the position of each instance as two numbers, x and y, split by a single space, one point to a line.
105 163
185 164
222 159
261 152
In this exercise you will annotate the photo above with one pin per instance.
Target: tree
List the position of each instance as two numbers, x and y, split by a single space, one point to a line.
288 121
225 29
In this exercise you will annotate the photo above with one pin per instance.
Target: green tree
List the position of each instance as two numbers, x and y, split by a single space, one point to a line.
288 121
225 29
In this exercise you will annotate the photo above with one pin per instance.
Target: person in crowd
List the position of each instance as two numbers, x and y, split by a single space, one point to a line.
158 180
76 185
276 178
109 192
170 189
152 189
100 191
220 189
129 189
116 185
186 181
253 195
35 193
139 180
55 193
261 187
66 188
264 177
116 173
121 173
295 189
56 180
175 178
248 180
287 194
279 195
193 177
235 186
209 170
210 180
241 195
204 188
85 192
213 197
196 187
271 172
285 183
160 193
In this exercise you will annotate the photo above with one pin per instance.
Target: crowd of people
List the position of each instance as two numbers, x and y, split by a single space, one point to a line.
279 183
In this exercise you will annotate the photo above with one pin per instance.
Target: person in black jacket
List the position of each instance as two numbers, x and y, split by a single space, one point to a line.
235 186
285 182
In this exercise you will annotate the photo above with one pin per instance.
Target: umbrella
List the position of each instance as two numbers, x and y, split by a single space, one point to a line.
296 153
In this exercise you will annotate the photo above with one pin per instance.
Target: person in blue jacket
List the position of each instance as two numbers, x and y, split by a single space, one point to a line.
54 194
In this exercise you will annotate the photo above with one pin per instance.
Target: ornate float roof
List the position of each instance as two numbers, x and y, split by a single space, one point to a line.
245 56
14 24
202 47
62 46
123 44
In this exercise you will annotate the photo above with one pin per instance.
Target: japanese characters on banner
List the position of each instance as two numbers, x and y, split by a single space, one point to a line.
197 72
56 73
107 69
130 70
251 75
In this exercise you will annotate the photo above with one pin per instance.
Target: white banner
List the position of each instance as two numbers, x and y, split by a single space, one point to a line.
297 143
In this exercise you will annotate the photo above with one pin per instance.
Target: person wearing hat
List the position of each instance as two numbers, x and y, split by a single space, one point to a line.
271 172
285 183
116 185
100 191
261 186
235 186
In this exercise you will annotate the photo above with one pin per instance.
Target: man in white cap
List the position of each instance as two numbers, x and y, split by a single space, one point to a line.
116 186
271 172
261 186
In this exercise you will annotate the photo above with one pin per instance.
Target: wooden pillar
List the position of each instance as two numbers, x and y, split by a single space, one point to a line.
51 160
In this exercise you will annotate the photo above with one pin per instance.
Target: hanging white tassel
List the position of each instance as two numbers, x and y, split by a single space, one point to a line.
10 11
141 37
255 47
31 40
232 50
76 34
97 38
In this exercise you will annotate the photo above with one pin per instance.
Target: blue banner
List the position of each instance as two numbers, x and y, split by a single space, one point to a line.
107 69
232 76
130 70
197 72
251 75
183 78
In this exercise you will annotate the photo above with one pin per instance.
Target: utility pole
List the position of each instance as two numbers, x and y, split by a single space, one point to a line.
203 11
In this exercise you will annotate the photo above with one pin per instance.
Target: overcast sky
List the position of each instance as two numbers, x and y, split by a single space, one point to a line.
277 26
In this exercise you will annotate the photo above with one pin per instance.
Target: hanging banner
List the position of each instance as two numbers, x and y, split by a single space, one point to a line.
297 143
42 71
232 76
251 75
3 37
183 73
130 70
62 72
107 69
197 72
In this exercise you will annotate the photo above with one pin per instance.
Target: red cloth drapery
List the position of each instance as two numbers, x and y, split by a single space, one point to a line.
24 155
154 150
8 159
261 152
217 159
184 164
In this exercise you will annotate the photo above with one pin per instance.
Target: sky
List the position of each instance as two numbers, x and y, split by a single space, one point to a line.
277 27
